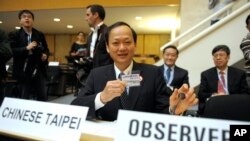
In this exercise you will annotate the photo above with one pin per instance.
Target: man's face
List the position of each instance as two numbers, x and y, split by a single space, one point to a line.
121 46
26 20
90 18
221 59
170 56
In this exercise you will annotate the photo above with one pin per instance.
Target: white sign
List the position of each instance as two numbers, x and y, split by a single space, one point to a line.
43 120
53 63
138 126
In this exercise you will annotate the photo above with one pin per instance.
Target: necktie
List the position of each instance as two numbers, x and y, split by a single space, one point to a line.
168 74
124 96
29 41
221 83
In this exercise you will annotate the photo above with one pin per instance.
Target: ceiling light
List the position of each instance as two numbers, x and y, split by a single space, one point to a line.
17 27
69 26
57 19
138 18
1 22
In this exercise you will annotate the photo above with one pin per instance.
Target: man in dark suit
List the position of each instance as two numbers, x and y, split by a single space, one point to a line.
5 55
174 76
95 15
221 79
30 57
105 93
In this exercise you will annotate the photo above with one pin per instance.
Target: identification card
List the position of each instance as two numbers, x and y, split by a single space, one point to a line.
133 80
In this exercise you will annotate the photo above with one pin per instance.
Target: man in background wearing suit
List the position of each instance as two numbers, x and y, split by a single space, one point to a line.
95 15
5 55
30 57
105 93
174 76
221 79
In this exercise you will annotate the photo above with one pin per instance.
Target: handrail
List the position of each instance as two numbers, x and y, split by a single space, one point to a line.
211 28
198 25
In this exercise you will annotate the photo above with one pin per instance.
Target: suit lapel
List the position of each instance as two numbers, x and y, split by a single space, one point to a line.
134 92
214 79
229 79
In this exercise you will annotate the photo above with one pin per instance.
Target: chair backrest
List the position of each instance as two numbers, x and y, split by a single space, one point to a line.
231 107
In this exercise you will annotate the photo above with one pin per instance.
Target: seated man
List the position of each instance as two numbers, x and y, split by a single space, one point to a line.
104 93
221 79
174 76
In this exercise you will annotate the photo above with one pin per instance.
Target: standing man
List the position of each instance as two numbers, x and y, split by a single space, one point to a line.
221 79
5 55
95 15
106 91
245 44
174 76
30 54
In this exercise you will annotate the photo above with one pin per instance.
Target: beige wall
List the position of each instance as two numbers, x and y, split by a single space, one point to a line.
147 44
192 12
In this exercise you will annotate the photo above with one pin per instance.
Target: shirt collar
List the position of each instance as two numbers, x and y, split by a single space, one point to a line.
225 71
97 27
166 67
128 70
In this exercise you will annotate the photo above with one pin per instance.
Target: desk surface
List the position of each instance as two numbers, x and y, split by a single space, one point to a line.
94 131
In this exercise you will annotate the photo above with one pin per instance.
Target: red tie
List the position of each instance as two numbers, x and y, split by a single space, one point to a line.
221 83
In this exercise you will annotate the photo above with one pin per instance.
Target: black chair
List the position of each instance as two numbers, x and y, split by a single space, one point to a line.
230 107
54 74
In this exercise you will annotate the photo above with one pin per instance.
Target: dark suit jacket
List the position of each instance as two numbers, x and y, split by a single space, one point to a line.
5 53
18 42
101 56
237 84
151 96
180 77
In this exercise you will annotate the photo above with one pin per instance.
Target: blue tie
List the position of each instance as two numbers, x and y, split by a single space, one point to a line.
124 96
168 74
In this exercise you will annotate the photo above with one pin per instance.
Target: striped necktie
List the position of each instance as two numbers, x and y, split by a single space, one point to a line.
124 97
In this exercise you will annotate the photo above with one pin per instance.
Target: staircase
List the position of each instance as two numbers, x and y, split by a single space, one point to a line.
195 53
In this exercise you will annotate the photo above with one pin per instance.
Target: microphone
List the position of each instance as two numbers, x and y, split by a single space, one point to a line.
181 96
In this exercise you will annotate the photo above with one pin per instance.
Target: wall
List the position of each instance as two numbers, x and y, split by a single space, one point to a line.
147 44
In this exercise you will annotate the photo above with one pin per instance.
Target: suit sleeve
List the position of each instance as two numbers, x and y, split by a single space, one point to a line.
86 97
204 91
162 94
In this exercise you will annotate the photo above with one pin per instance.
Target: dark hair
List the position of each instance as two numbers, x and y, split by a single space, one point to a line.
96 8
117 24
221 48
171 46
248 20
25 11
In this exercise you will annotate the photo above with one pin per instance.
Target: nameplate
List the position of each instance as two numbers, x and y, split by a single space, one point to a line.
140 126
53 63
42 120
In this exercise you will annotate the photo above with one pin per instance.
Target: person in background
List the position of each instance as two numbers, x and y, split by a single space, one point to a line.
105 92
30 58
95 15
174 76
221 79
245 44
78 48
5 55
217 5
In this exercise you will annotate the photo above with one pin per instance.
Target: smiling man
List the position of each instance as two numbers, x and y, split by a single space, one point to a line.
105 92
221 79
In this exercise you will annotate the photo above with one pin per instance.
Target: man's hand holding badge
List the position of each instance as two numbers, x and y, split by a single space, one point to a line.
132 80
115 88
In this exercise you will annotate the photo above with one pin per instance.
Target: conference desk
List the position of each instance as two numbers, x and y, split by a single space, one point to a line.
94 131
